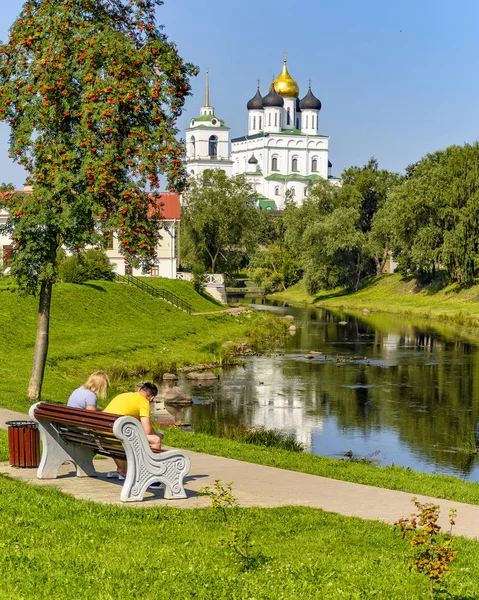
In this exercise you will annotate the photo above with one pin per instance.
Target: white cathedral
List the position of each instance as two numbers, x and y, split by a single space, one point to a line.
282 152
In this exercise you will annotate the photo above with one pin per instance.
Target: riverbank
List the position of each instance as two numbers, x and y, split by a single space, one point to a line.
115 328
397 295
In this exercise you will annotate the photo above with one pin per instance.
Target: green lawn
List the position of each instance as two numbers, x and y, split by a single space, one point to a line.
53 546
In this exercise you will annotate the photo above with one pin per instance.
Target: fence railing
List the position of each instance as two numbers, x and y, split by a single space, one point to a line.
212 278
152 290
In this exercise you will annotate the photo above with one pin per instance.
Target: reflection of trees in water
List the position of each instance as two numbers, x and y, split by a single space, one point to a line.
420 384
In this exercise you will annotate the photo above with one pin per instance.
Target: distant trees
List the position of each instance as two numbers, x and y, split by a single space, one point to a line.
219 222
427 220
326 233
433 217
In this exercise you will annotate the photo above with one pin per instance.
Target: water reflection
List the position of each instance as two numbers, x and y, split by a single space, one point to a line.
403 391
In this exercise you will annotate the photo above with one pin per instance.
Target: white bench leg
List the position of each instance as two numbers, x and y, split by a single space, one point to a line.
56 452
170 469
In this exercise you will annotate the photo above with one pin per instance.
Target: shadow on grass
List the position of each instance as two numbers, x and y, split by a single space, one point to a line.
210 298
94 286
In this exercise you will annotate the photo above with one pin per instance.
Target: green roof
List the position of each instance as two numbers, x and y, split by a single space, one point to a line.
214 128
250 137
208 118
294 177
254 173
265 204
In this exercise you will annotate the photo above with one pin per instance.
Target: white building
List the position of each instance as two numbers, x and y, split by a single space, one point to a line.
283 152
167 249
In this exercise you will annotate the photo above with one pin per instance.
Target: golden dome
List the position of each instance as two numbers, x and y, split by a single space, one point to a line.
285 85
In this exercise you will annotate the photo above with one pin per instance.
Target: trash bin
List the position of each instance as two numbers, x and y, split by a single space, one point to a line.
23 443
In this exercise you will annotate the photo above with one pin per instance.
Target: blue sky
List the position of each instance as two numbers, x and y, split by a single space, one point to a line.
396 79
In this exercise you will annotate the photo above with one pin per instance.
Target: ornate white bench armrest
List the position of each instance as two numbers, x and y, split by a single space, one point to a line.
145 467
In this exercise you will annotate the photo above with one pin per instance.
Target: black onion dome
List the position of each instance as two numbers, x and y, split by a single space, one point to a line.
253 160
310 102
273 99
256 103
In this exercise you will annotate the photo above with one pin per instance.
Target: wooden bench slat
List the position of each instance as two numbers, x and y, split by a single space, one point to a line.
53 411
74 420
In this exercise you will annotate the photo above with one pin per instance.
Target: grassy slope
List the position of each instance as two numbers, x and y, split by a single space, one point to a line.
104 325
184 289
392 293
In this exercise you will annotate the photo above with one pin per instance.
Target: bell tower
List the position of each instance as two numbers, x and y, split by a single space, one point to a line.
207 140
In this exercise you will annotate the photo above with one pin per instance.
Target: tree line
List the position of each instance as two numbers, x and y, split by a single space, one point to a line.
427 219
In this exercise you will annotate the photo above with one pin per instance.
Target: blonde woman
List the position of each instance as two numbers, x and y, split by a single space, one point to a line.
86 395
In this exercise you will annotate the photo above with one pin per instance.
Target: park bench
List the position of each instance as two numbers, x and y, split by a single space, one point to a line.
76 435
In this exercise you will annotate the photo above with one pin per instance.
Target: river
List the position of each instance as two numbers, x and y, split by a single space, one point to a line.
377 387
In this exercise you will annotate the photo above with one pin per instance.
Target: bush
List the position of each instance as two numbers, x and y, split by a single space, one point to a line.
198 277
89 265
98 265
72 270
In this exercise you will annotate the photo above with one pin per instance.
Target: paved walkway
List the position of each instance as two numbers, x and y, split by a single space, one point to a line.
255 485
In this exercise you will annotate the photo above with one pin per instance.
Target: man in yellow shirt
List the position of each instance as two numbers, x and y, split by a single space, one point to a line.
137 405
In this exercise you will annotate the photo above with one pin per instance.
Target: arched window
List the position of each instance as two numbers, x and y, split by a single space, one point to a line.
288 117
193 144
307 121
293 191
297 123
276 191
305 191
276 119
269 120
294 164
254 122
312 122
274 163
260 123
314 165
213 146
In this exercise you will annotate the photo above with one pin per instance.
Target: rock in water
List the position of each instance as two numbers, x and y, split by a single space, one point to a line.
204 376
178 397
170 377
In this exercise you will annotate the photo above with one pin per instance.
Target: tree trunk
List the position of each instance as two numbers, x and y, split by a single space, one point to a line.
380 263
41 343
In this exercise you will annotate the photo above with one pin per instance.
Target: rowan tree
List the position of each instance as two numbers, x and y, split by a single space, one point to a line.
91 90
